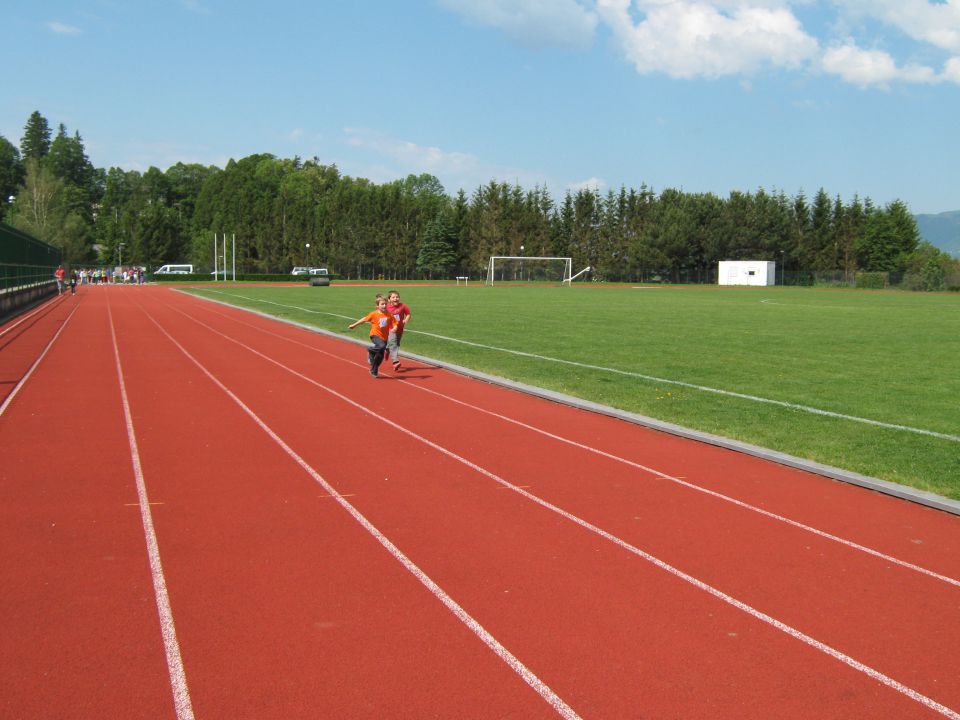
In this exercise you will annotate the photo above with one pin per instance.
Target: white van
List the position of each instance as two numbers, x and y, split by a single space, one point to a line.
174 270
309 271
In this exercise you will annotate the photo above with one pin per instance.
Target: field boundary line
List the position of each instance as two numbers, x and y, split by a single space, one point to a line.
904 492
616 458
652 378
484 635
753 612
178 677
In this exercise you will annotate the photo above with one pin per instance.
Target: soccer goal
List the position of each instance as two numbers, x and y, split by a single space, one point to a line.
514 268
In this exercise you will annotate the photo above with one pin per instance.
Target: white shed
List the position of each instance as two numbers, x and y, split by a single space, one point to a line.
747 272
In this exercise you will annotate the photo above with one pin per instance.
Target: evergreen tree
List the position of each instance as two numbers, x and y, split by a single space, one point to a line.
438 250
458 226
35 143
822 252
906 232
68 160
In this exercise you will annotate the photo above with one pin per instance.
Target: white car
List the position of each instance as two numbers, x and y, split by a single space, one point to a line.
309 271
174 270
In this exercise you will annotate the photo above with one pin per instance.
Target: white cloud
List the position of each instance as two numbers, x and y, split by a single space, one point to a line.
691 38
539 23
382 158
196 6
936 23
593 183
721 38
62 29
872 68
409 156
951 70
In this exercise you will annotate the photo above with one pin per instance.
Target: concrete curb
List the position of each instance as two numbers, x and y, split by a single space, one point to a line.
886 487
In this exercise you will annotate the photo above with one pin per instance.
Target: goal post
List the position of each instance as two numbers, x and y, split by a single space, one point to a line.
529 268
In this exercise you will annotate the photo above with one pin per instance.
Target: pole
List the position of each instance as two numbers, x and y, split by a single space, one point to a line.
234 246
214 256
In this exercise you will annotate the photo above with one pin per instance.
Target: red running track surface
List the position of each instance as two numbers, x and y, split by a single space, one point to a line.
210 514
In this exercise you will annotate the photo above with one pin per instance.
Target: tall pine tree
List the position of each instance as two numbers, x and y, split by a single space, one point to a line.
35 143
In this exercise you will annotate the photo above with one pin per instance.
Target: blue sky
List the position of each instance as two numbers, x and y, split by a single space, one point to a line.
860 97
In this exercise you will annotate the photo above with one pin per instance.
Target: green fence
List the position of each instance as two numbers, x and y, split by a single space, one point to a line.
24 260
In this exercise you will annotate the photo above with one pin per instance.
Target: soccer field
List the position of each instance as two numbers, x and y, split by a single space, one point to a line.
864 381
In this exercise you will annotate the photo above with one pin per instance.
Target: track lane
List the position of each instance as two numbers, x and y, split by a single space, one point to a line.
23 339
372 401
910 533
284 605
676 660
81 637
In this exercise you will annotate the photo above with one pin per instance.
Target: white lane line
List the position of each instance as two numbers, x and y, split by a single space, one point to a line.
36 363
651 378
657 562
720 496
671 478
540 687
178 678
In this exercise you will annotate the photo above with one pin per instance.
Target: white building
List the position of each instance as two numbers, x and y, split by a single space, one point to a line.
747 272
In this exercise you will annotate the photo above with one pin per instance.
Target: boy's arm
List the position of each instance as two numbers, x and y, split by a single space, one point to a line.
358 322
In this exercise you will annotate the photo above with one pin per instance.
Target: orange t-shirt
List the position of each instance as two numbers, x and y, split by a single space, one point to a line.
380 324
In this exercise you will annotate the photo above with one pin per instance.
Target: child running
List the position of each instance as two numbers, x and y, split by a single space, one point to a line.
380 326
401 313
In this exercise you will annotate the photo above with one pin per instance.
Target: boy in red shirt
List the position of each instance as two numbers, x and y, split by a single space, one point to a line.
381 324
401 313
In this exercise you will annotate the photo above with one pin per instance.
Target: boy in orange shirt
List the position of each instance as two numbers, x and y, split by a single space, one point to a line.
381 323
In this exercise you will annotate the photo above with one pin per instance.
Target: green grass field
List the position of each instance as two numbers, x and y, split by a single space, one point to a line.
876 357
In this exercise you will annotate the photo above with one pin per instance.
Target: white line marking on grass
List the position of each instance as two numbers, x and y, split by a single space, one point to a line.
703 388
540 687
678 479
26 376
813 307
178 678
652 378
676 572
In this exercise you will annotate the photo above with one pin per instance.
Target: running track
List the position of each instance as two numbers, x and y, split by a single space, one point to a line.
210 514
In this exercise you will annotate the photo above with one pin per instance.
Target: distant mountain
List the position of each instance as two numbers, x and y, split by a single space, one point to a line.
941 230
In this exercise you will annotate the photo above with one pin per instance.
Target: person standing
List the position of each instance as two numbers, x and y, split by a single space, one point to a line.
73 282
381 323
59 274
400 313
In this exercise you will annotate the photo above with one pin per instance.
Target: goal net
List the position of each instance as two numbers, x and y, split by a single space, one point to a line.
504 268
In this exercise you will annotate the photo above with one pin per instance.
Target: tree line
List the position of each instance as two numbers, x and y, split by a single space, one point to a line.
288 212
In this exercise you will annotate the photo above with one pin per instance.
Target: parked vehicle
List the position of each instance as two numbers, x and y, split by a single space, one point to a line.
174 270
309 271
